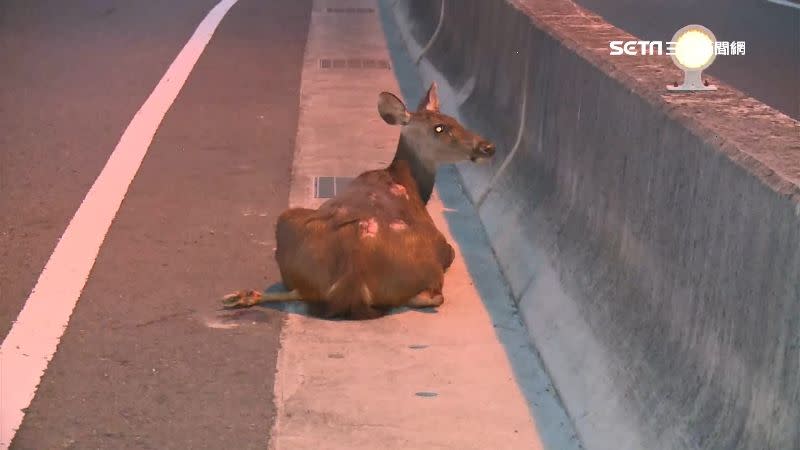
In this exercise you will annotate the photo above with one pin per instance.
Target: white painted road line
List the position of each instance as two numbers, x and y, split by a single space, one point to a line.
788 3
34 336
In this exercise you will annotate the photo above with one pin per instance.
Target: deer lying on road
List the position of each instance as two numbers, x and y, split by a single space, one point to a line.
374 246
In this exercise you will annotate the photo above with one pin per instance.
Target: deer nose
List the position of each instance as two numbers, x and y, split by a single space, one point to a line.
486 148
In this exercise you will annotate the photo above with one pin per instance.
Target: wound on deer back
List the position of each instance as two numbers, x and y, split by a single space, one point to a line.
369 227
399 190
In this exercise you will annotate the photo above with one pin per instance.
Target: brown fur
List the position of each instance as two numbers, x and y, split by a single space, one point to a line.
374 246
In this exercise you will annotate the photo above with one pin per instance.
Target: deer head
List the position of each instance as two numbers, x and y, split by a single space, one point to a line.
435 138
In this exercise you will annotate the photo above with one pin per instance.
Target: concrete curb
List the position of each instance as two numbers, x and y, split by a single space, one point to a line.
650 239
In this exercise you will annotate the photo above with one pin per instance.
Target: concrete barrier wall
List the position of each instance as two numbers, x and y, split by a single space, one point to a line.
652 240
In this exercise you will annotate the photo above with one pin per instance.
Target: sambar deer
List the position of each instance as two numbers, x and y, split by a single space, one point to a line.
374 246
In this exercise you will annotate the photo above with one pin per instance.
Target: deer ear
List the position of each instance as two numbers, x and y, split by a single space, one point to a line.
431 100
392 109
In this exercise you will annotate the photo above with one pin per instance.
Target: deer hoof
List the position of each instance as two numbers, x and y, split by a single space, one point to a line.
240 299
426 300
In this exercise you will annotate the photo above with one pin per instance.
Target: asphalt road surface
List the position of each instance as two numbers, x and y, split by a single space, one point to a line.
139 366
770 69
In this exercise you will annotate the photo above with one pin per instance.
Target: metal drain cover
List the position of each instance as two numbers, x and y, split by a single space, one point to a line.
354 63
351 10
328 187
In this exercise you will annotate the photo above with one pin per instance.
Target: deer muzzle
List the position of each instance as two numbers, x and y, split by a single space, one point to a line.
484 150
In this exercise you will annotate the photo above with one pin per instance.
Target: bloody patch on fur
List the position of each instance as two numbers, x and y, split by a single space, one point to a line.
369 227
399 190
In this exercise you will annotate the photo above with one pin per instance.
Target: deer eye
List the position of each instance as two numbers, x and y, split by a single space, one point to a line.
439 128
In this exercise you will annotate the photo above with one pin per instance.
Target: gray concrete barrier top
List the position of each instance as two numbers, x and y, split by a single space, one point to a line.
651 239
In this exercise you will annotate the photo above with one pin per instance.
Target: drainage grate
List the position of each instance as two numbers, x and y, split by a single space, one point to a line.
354 63
351 10
328 187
